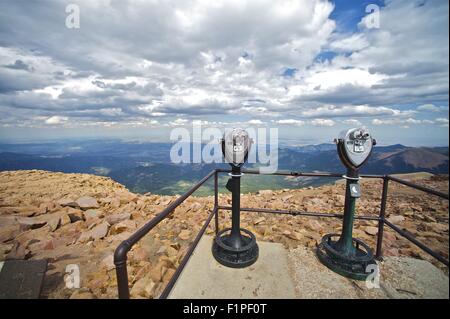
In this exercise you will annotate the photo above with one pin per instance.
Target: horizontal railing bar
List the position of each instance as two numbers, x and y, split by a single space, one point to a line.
412 239
186 258
297 213
418 187
294 173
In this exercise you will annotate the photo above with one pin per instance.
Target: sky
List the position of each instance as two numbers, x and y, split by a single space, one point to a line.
138 69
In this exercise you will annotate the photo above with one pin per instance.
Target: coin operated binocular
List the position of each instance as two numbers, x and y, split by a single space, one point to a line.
342 253
235 247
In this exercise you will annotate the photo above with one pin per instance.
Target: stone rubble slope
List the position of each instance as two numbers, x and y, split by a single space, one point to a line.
80 219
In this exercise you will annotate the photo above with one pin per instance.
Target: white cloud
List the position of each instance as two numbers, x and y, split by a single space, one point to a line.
352 110
179 122
290 122
322 122
442 121
353 43
429 108
255 122
399 121
331 79
56 120
352 122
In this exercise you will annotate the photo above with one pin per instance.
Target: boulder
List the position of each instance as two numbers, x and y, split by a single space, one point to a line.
168 275
31 222
115 203
108 262
127 197
144 269
5 249
19 252
65 219
87 202
44 208
126 225
157 272
116 218
74 214
396 219
144 287
430 219
27 211
92 213
67 202
389 236
85 237
314 225
196 206
259 220
339 200
184 234
100 231
8 232
371 230
139 254
165 202
292 235
54 223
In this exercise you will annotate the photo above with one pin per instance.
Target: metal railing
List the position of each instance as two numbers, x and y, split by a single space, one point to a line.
120 255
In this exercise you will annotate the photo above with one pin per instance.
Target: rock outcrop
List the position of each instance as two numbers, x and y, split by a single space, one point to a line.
79 219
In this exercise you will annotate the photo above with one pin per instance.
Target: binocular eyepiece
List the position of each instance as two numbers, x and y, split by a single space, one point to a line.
361 135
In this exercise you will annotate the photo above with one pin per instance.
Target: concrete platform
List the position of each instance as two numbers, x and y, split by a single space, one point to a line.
285 274
204 277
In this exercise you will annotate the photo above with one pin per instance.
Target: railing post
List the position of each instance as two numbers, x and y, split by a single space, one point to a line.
120 261
381 218
216 200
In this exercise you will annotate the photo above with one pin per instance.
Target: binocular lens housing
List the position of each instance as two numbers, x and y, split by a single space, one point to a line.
236 146
354 147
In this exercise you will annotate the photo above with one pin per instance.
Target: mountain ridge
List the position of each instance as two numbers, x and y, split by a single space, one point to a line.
146 167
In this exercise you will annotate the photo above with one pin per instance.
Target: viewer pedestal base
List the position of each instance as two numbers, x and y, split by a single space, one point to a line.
352 264
235 252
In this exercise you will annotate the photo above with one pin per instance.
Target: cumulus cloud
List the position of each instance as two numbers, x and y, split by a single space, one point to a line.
352 110
398 121
56 120
429 108
352 122
290 122
442 121
255 122
352 43
179 122
322 122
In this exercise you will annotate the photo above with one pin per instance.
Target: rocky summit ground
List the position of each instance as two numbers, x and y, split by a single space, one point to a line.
80 219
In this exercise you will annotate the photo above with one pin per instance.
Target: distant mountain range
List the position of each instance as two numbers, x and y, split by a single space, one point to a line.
145 167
